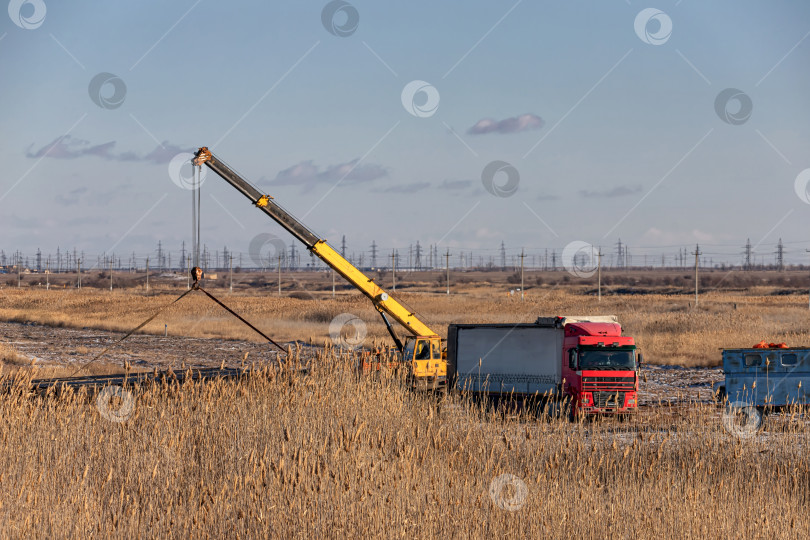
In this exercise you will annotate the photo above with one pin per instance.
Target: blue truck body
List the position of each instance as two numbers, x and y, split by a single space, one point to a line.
771 377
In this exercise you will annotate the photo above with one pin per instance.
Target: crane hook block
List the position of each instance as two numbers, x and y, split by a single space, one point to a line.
263 200
196 274
203 155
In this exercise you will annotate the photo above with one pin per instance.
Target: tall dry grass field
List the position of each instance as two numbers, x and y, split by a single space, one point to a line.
668 328
283 454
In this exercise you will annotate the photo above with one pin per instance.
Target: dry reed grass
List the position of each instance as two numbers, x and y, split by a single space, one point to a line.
281 454
668 328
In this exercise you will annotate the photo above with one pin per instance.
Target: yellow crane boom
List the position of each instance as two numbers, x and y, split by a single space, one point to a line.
383 302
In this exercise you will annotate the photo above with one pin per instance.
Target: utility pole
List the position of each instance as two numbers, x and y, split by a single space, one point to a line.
808 305
48 275
447 264
333 284
147 274
279 274
599 275
230 260
394 269
697 254
522 255
111 275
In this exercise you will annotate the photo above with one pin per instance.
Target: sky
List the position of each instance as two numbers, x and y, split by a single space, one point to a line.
539 124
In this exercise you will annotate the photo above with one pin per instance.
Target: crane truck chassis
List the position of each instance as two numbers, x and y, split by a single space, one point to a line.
587 360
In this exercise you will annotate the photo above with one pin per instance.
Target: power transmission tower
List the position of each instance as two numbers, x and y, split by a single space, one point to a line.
373 254
522 255
503 256
620 253
780 256
418 256
599 274
343 247
747 254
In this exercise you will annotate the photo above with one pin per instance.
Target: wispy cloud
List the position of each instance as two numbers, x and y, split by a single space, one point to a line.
455 185
515 124
307 174
618 191
71 197
407 188
547 197
68 147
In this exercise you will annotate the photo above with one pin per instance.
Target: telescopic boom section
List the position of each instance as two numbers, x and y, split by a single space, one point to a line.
381 300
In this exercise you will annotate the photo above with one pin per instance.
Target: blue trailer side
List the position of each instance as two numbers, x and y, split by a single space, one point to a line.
767 377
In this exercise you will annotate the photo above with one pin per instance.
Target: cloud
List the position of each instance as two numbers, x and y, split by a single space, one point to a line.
455 184
71 197
618 191
407 188
524 122
163 153
68 147
307 175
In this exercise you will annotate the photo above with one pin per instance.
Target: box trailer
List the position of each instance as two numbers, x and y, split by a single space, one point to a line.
584 359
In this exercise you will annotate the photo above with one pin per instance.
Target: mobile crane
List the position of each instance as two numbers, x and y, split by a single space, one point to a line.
422 351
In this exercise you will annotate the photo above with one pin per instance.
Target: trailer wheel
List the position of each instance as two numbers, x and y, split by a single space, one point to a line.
742 420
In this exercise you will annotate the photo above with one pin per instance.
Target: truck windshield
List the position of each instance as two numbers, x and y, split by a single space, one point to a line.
607 359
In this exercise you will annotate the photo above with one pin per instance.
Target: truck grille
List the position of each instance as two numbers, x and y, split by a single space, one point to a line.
608 384
608 399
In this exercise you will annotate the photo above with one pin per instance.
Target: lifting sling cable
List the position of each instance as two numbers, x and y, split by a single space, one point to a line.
144 323
232 312
158 312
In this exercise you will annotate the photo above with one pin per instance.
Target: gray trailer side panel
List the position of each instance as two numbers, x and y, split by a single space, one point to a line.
520 359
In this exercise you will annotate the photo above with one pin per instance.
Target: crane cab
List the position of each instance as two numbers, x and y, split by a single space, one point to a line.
424 355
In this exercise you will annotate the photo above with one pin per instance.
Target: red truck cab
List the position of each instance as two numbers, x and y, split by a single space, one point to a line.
600 368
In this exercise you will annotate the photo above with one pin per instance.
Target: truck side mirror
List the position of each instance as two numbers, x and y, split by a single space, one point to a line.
572 359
